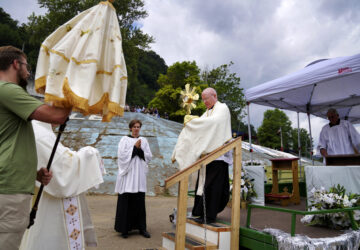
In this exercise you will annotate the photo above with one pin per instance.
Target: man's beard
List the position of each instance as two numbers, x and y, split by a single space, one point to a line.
22 81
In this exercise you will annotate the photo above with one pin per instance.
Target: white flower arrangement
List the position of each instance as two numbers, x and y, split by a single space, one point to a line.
336 197
254 163
247 186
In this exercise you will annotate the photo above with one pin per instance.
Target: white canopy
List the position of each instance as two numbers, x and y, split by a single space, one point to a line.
327 83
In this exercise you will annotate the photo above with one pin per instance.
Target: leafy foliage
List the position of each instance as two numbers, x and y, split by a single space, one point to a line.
167 98
228 89
226 84
268 133
304 141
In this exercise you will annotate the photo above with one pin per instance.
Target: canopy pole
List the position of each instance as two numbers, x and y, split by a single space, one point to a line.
35 207
249 132
299 143
311 146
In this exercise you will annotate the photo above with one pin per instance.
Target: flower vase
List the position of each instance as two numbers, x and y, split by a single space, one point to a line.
243 204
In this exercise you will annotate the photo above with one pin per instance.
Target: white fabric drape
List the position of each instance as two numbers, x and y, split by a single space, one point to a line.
82 64
132 173
201 136
73 174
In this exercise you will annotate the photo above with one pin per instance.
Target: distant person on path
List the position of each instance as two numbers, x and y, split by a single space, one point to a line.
18 161
339 137
133 156
199 137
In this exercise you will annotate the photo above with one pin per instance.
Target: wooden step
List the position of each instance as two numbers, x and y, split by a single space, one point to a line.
156 248
191 242
216 226
216 233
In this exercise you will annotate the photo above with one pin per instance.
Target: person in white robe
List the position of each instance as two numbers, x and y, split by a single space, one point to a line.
133 157
63 218
201 136
339 137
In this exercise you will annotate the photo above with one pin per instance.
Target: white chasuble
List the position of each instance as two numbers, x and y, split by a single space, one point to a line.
132 170
63 219
201 136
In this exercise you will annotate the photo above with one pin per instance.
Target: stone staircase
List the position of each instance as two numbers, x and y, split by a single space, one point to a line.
217 236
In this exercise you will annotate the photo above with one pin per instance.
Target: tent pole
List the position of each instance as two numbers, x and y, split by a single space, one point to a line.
249 132
299 143
311 146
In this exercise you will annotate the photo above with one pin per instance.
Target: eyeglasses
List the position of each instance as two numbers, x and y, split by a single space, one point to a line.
28 67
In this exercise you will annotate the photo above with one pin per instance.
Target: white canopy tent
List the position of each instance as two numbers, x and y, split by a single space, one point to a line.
323 84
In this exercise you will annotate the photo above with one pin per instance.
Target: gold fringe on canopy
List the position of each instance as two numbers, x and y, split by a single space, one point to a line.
82 105
81 64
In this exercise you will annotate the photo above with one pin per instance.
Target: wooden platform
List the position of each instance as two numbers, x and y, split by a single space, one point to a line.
191 242
261 219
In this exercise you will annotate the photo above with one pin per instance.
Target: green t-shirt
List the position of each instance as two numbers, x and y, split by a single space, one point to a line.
18 160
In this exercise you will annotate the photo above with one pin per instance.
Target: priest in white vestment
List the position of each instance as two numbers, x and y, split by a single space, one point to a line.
133 156
63 219
201 136
339 137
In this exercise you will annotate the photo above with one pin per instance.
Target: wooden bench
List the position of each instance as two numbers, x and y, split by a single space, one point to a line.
284 197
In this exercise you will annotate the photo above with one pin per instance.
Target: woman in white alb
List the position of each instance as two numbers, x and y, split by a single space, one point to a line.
133 156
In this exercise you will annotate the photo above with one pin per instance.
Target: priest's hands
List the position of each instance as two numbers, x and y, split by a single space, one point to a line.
44 176
138 143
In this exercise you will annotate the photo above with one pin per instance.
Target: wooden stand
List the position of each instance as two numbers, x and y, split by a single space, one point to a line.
342 160
284 197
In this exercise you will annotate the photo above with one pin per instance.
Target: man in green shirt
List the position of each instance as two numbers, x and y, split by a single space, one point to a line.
18 160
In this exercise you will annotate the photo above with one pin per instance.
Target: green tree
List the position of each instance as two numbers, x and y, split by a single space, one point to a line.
167 98
227 86
243 128
269 132
304 141
9 30
180 74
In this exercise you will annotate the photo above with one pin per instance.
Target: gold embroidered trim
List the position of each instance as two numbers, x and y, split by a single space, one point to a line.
60 54
103 72
108 3
40 84
84 32
110 73
82 105
84 61
46 49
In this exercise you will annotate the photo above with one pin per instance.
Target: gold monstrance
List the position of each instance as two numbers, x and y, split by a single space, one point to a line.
189 98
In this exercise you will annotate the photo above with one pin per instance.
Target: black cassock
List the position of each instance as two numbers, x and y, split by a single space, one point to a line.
130 209
216 190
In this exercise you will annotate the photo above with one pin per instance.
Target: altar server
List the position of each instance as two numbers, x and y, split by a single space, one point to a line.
339 137
133 156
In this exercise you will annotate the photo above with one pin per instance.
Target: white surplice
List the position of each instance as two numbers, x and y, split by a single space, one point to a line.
201 136
63 219
131 177
339 139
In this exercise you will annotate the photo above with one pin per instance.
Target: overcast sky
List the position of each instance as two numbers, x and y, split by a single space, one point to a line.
264 39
